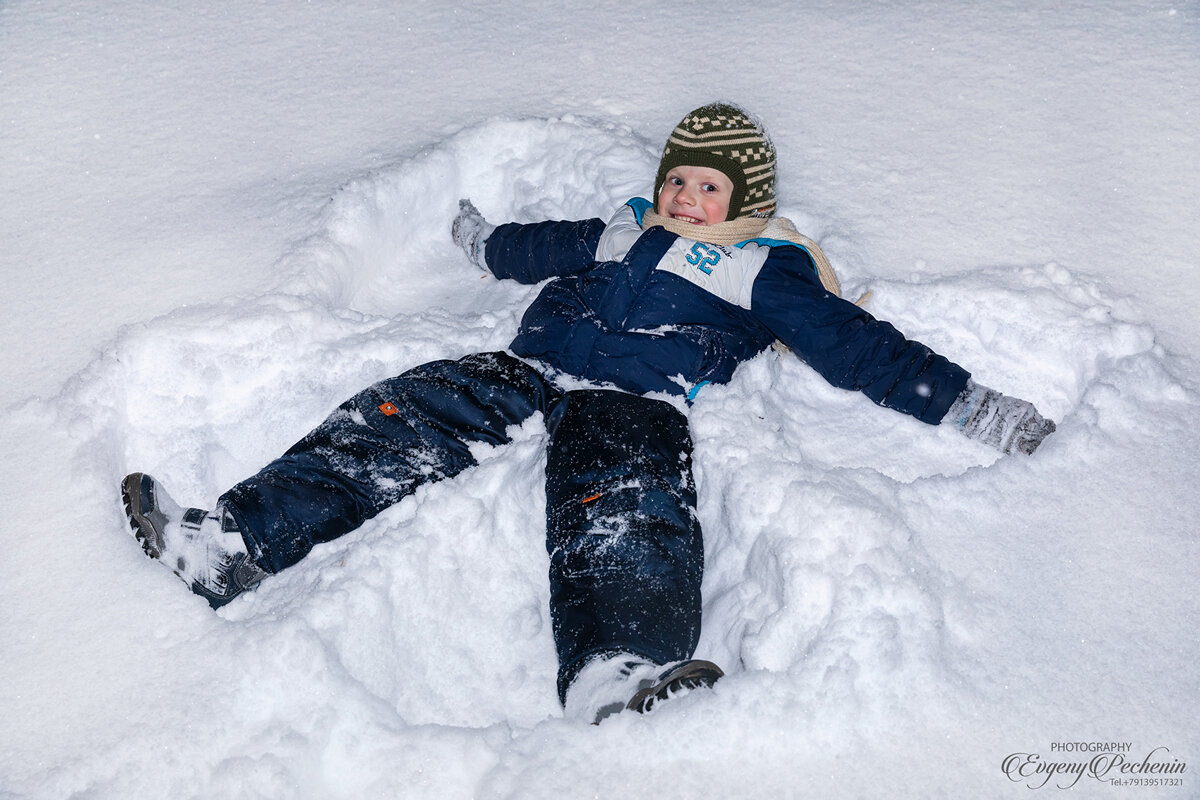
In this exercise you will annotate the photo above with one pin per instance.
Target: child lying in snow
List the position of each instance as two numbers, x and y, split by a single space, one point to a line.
661 299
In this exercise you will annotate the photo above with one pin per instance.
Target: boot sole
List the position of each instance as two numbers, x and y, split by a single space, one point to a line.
688 675
136 496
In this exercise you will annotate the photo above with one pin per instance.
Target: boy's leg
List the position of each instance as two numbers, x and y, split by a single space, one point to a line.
378 447
626 552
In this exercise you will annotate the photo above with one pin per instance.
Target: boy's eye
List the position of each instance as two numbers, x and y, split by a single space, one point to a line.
708 187
676 181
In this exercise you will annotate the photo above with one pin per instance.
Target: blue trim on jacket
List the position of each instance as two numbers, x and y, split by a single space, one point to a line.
640 206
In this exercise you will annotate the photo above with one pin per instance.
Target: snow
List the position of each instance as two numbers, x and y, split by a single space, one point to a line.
221 220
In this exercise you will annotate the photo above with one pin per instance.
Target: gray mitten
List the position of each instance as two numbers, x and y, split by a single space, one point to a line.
1006 423
471 231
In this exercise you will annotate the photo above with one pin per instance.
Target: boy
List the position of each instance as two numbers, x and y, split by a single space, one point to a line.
661 300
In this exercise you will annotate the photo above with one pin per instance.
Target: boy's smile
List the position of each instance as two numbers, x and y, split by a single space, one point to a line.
698 195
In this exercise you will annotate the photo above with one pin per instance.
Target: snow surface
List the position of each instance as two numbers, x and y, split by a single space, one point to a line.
219 220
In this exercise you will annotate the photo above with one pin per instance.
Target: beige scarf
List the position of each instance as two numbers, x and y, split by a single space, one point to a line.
739 230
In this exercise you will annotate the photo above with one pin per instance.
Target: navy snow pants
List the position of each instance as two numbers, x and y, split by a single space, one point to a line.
626 553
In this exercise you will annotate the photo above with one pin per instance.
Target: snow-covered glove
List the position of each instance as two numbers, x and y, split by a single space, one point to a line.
470 231
1006 423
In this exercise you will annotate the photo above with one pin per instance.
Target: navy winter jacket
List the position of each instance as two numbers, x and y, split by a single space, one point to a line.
654 312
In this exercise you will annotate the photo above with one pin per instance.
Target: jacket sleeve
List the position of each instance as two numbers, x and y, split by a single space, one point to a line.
533 252
846 345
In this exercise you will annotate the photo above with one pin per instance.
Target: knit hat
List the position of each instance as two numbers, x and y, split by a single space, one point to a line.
725 138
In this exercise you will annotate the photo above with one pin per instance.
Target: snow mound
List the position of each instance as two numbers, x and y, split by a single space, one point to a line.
386 232
815 504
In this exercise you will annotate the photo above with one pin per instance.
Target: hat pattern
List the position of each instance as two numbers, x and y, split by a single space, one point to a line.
725 137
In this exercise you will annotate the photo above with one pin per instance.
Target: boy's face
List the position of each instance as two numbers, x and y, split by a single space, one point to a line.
699 195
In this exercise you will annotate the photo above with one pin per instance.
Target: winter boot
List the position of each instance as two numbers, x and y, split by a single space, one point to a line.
622 682
204 548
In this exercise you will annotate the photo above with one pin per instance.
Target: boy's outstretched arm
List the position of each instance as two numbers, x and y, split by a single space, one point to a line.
853 350
1008 424
527 253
